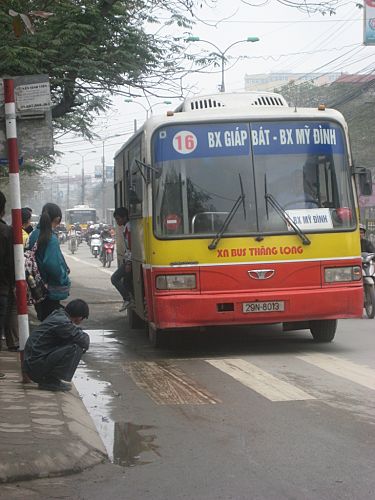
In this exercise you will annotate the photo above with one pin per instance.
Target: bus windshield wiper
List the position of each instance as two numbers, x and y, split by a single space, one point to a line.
284 215
226 222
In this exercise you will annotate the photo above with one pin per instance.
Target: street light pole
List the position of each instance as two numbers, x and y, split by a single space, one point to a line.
83 172
103 183
68 190
103 170
145 108
221 53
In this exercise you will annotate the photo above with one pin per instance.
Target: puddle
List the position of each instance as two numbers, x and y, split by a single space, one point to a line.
130 443
127 444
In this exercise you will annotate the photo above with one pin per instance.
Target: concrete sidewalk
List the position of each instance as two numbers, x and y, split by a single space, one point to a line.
42 433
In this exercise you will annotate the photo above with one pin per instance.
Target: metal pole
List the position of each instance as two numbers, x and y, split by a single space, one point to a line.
103 183
83 182
222 73
15 196
68 193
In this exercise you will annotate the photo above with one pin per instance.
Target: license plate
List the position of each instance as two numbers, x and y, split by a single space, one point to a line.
263 307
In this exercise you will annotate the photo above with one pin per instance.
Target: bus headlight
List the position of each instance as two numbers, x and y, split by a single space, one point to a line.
176 282
337 274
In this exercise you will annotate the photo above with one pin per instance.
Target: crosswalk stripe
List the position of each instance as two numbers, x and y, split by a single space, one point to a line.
362 375
260 381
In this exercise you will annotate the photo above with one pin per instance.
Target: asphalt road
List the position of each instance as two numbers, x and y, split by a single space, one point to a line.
234 413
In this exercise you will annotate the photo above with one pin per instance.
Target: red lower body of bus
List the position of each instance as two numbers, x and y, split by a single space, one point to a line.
223 291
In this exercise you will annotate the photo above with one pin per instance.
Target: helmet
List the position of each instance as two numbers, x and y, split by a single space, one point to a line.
363 227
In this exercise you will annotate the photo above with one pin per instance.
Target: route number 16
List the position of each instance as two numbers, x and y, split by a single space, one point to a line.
184 142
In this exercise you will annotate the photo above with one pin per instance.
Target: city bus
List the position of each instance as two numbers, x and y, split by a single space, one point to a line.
243 211
80 214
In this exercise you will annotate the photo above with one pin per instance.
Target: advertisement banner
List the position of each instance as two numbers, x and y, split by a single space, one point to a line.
369 22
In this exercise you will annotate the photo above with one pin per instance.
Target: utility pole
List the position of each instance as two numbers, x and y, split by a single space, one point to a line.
103 182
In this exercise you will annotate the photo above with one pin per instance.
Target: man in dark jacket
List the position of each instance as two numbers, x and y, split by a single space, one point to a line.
54 349
7 282
366 245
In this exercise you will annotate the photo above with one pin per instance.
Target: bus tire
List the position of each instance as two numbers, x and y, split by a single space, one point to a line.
154 336
323 330
135 322
370 301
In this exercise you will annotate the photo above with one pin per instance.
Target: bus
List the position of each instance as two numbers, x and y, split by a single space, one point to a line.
80 214
243 211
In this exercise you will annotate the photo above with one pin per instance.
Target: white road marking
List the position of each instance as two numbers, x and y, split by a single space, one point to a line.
102 269
362 375
260 381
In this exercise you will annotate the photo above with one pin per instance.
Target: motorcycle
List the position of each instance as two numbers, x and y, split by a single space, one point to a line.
368 271
107 252
95 245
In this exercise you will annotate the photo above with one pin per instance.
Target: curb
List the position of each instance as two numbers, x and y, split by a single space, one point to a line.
47 446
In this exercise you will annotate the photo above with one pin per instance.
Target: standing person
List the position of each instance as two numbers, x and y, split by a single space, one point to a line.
54 349
26 226
122 279
50 260
366 245
29 228
8 312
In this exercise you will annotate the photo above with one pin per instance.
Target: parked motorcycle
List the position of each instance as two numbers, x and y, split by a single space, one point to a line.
368 271
95 245
107 252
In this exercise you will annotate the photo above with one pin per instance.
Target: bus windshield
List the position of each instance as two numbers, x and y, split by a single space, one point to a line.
80 216
201 170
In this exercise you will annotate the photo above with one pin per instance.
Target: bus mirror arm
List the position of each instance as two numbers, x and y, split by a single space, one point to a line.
279 209
140 164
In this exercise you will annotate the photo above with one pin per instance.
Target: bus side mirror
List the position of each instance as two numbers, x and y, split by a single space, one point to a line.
365 181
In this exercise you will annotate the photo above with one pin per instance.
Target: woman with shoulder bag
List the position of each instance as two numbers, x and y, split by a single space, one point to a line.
50 260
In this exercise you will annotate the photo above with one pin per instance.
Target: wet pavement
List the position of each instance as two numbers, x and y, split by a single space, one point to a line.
127 444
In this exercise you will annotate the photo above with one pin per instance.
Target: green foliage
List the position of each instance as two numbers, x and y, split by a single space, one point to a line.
92 49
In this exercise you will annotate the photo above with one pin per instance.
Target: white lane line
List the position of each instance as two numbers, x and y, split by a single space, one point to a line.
102 269
259 381
362 375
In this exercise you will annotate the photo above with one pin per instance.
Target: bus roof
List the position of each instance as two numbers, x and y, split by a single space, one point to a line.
80 207
235 106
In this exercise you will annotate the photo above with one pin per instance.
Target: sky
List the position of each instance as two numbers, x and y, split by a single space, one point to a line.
289 40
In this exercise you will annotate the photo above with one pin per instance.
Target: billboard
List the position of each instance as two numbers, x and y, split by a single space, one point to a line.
369 22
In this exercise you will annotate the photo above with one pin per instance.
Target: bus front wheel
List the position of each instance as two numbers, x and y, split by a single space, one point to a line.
323 330
154 335
135 322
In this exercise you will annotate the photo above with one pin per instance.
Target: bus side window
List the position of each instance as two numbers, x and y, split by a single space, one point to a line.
134 180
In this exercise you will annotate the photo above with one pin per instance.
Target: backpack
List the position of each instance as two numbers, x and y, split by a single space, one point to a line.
36 288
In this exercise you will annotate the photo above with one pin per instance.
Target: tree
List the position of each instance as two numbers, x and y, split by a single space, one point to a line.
92 49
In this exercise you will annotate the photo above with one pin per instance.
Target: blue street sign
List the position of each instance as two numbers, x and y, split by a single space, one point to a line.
5 161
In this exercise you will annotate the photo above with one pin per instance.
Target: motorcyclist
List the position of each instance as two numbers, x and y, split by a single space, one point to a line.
366 245
72 238
104 234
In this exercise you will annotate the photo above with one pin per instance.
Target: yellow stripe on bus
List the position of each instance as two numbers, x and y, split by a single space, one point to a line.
246 249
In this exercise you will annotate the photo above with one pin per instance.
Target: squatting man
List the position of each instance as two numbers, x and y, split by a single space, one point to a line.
54 349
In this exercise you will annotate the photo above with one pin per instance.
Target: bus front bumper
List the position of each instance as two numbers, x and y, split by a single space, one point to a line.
195 310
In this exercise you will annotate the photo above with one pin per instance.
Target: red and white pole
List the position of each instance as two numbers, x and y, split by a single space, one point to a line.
15 197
